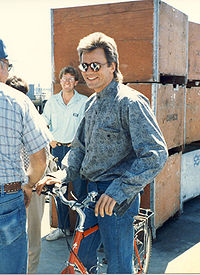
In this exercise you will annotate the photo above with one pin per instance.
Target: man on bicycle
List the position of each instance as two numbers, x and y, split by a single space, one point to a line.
118 148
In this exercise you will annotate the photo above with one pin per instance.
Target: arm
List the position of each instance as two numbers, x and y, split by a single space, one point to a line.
35 138
35 171
71 163
149 148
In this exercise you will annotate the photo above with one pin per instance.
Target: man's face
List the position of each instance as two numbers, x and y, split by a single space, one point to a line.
4 70
97 80
68 82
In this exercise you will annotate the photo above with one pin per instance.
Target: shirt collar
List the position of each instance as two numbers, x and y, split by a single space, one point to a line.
107 90
74 98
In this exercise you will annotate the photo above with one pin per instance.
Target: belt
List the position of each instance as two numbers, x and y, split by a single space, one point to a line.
64 144
12 187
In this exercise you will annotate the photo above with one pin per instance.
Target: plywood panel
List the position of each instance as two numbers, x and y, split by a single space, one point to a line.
53 214
144 88
173 42
194 51
167 190
170 114
145 198
170 104
135 46
192 121
135 31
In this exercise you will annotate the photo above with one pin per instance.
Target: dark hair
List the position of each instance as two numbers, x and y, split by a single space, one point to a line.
69 70
100 40
18 83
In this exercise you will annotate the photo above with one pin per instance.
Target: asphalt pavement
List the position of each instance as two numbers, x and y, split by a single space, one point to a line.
176 248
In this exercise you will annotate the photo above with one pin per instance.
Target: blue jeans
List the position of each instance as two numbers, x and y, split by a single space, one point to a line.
60 152
13 237
116 234
79 189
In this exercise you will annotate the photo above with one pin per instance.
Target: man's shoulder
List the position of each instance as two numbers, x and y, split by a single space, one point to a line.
126 92
13 95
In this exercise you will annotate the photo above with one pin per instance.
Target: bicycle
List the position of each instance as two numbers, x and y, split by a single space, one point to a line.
142 234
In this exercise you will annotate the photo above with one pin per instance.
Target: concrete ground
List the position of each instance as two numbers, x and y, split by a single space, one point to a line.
175 250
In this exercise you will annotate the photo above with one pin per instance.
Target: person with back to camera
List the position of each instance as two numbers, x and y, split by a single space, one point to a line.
118 147
35 209
20 127
63 113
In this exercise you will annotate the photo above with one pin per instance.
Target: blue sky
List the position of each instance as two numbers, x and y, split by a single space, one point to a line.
25 28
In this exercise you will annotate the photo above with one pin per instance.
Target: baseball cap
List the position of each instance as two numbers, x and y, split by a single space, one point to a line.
3 53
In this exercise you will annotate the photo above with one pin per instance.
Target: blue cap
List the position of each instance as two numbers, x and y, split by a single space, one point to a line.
3 53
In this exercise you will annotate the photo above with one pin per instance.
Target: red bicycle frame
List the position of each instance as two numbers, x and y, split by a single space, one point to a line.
73 259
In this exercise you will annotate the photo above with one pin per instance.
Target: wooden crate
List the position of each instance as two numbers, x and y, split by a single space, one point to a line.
167 190
192 123
194 52
53 214
168 104
145 198
153 41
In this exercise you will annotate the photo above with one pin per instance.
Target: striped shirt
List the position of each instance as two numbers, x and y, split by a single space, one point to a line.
20 125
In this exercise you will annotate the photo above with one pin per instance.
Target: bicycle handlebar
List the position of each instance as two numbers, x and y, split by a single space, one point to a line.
73 204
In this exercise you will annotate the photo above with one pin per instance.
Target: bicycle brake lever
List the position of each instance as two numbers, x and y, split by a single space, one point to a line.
93 196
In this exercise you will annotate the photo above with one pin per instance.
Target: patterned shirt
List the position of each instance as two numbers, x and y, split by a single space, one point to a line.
63 120
20 126
119 140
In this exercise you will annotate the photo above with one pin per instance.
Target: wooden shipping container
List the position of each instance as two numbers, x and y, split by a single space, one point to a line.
167 190
168 105
194 52
163 195
192 115
190 175
153 43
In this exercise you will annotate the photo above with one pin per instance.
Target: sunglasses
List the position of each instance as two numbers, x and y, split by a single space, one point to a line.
94 66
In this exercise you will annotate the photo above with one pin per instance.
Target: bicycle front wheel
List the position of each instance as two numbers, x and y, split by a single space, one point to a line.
142 249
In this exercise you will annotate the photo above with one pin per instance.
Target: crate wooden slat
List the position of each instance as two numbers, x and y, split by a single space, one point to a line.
169 107
151 37
192 122
173 41
194 51
167 190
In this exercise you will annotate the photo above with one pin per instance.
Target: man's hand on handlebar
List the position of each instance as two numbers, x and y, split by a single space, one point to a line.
104 205
48 180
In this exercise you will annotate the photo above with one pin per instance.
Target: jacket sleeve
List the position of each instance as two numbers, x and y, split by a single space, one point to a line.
149 147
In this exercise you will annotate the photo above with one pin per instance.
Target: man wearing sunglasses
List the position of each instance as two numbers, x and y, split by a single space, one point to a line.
118 148
20 126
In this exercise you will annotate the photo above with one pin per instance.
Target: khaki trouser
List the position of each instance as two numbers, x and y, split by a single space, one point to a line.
34 213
